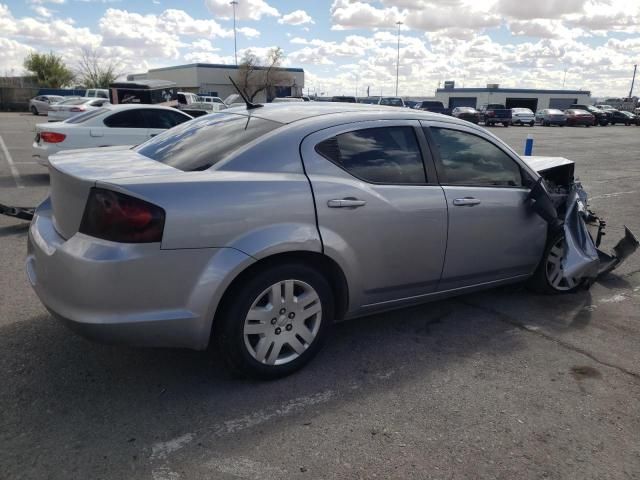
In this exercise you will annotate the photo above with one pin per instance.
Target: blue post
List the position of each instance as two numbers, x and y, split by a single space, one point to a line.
528 146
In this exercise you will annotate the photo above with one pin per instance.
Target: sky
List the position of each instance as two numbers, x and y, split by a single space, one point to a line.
347 46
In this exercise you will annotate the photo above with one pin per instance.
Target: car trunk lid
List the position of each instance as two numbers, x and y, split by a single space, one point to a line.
73 173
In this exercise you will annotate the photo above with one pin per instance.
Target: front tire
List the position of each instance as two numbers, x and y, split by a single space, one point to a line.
505 125
275 321
548 277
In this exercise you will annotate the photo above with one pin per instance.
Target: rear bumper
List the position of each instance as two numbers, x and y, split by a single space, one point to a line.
40 153
133 294
523 120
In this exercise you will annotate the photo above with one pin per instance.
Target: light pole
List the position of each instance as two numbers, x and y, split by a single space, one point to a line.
235 41
398 59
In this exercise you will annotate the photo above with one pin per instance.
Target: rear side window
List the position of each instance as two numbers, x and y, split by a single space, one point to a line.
377 155
205 141
466 159
126 119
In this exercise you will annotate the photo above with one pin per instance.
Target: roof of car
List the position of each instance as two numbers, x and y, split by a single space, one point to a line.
296 111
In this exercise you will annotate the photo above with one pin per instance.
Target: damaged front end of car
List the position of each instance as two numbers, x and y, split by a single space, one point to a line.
562 202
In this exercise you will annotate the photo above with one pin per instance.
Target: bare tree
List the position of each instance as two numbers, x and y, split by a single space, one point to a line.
95 72
254 77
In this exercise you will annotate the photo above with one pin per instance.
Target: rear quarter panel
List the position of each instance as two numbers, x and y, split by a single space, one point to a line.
260 214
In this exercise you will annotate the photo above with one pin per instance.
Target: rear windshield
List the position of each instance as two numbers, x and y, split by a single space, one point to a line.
201 143
83 117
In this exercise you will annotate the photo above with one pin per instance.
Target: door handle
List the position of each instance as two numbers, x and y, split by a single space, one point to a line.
346 203
466 202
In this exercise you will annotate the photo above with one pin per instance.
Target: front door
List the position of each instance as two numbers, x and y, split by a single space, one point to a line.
492 234
381 215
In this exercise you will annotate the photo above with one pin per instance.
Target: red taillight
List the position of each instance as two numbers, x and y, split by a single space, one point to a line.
120 218
77 109
52 137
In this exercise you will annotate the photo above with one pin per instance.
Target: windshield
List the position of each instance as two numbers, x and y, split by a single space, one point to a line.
201 143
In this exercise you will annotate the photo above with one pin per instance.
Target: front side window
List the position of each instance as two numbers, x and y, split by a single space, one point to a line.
158 118
379 155
126 119
466 159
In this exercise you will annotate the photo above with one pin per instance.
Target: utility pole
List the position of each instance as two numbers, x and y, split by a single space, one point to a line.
635 69
235 38
398 59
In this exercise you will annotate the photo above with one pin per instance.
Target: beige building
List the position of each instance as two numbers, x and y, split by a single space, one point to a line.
213 79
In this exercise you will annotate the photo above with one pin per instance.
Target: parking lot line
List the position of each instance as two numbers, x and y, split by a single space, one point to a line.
12 166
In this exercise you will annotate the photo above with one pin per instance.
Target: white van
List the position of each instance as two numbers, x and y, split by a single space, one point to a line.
97 93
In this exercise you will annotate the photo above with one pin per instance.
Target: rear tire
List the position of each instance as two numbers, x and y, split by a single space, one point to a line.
34 110
506 125
547 278
265 330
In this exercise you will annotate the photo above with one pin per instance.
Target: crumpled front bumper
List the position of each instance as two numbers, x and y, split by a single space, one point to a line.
582 257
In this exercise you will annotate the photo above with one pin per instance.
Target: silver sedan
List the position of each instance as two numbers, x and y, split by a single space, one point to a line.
42 103
253 230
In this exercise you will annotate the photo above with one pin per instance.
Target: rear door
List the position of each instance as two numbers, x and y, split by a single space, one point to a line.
492 234
381 215
125 127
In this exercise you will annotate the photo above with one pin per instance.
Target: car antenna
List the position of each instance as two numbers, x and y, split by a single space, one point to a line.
250 105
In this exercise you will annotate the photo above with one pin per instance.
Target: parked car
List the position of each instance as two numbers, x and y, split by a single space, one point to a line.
105 126
433 106
97 93
186 98
466 113
209 99
522 116
626 118
602 117
69 108
495 113
633 117
391 101
551 116
188 235
42 103
344 99
579 117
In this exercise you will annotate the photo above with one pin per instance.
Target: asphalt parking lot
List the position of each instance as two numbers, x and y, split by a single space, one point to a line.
502 384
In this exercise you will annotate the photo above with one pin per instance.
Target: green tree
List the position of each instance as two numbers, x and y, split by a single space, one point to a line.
94 72
49 69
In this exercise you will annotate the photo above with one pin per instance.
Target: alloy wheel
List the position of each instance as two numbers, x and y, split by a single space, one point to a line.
554 270
283 322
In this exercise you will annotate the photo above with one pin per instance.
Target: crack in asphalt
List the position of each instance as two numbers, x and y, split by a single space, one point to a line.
505 318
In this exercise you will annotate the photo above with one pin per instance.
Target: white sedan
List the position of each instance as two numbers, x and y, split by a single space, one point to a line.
74 106
522 116
104 127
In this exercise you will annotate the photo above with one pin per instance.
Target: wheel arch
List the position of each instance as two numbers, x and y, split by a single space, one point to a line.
322 263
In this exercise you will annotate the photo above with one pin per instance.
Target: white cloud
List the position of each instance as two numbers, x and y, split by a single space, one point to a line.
297 17
245 10
41 11
249 32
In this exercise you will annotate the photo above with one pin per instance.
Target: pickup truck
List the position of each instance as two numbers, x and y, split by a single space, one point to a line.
435 107
495 113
